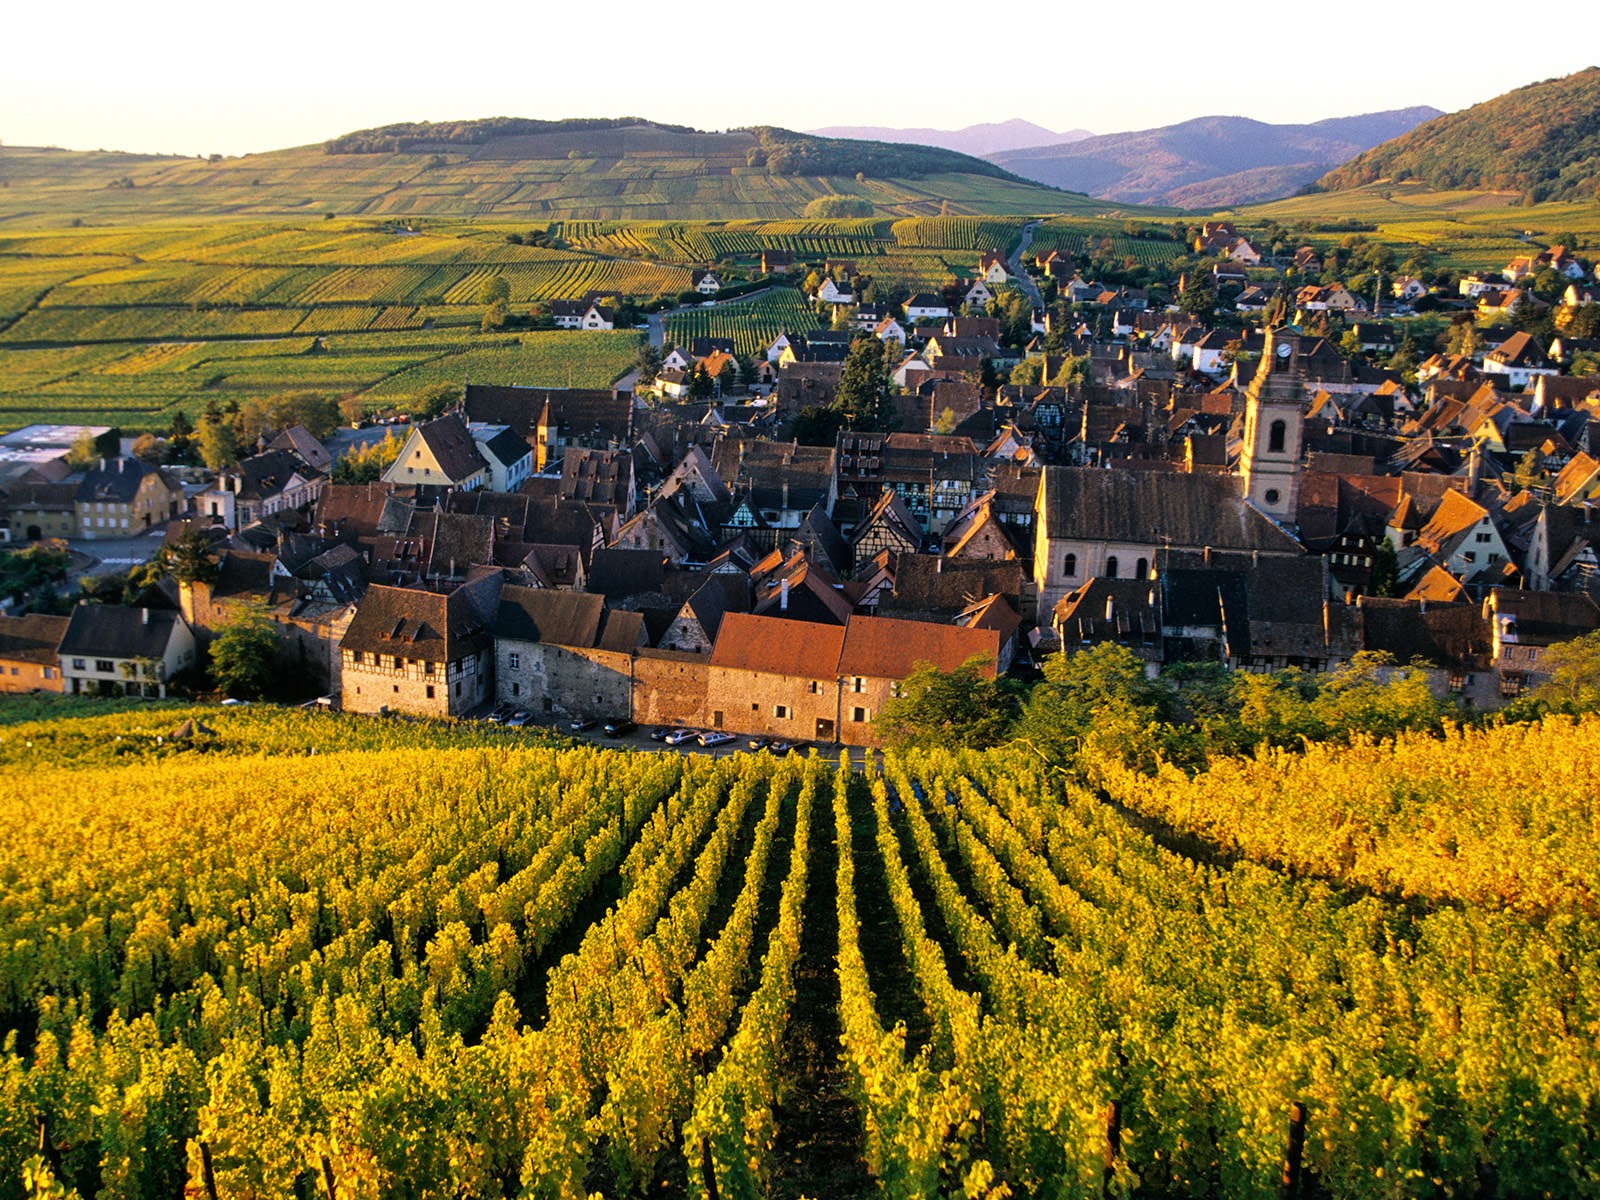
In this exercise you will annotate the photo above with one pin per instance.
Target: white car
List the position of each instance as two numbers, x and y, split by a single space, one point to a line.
679 736
714 738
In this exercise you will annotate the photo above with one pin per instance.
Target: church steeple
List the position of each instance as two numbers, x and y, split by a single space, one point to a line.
1274 425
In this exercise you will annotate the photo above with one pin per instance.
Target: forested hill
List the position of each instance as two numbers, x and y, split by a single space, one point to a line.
1542 140
777 151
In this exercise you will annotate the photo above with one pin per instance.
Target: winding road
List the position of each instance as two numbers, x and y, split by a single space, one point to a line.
1023 279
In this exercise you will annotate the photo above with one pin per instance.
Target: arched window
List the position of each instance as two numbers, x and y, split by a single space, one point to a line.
1111 567
1069 568
1275 437
1141 569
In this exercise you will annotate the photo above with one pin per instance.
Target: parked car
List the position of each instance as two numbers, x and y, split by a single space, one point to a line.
759 743
518 719
500 714
620 728
679 736
713 737
583 723
660 733
781 747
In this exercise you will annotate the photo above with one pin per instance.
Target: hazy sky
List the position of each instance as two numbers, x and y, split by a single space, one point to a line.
192 78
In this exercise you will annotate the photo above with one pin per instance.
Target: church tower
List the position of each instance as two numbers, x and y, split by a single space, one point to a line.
1274 425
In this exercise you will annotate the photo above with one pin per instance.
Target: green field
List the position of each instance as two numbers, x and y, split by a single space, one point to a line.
142 386
49 188
752 324
1466 231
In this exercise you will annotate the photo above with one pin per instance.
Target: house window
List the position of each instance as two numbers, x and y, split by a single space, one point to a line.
1272 495
1470 556
516 661
1111 567
104 665
430 691
78 664
1069 566
516 689
858 715
816 688
782 712
396 688
1480 538
858 684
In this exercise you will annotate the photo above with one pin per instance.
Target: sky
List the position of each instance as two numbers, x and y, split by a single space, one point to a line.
176 76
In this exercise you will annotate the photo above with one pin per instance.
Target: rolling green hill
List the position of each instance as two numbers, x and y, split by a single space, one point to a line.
1541 142
516 170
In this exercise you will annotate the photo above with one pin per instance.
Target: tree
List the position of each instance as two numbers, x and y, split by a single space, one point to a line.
244 654
146 448
495 317
353 411
84 453
1464 338
1098 701
817 425
1350 343
945 709
365 464
647 362
495 290
434 401
1385 570
865 393
1197 299
188 559
1574 669
218 448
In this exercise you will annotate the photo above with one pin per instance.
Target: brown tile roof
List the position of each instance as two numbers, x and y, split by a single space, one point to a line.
1141 507
35 638
558 618
886 648
774 646
415 624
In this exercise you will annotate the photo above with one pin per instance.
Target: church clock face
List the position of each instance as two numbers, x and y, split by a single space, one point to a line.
1283 350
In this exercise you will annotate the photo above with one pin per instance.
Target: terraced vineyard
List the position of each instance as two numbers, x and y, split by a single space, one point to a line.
752 323
443 961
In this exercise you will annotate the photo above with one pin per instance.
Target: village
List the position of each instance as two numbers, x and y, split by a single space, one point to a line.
679 550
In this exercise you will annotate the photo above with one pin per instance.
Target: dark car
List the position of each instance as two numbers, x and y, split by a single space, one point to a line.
584 723
660 733
620 728
759 743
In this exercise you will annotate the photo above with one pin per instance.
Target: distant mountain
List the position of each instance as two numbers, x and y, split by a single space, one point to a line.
1542 140
1208 161
979 140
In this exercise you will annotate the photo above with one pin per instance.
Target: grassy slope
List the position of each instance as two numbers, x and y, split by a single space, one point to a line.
1466 230
53 188
1541 141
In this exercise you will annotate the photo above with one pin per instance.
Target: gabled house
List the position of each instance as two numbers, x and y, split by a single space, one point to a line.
420 652
509 457
271 482
124 497
583 314
992 268
30 653
564 652
835 293
440 453
705 282
1519 359
110 650
926 306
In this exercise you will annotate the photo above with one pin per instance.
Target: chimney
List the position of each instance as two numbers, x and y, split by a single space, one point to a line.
1255 559
938 565
144 616
1205 556
1110 607
783 596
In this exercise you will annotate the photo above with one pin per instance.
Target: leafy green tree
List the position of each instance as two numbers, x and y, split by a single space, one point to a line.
496 290
1574 669
244 655
434 401
1197 299
865 395
1385 579
216 443
365 464
647 362
1097 701
495 317
84 453
950 709
188 559
817 425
